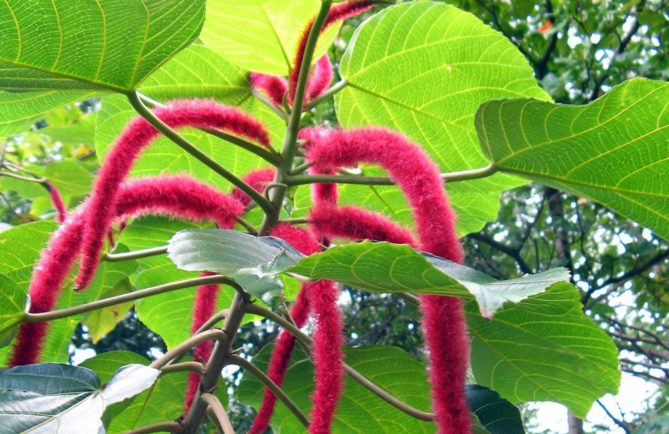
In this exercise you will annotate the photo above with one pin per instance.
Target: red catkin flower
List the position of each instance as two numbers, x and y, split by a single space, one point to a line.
175 196
338 12
203 309
443 317
257 179
358 224
57 202
321 297
273 86
137 135
320 79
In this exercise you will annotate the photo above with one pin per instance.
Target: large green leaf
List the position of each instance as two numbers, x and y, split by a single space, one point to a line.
423 68
105 364
544 349
70 401
614 150
18 110
253 262
359 411
261 35
106 44
196 72
496 415
12 307
385 267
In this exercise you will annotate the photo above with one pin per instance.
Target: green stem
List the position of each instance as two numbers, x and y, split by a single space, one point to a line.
135 254
185 346
217 413
289 147
23 178
382 180
327 94
187 146
196 367
271 157
170 426
135 295
271 385
262 98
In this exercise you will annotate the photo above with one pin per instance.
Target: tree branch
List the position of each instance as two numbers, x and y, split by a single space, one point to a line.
186 345
220 416
511 252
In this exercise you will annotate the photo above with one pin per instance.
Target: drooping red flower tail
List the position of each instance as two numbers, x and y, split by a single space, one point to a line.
321 192
338 12
56 201
358 224
203 308
273 86
137 135
443 317
257 179
174 196
320 78
322 298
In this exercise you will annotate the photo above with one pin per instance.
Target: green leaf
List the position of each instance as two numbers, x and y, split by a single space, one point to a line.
70 177
496 415
193 73
423 68
106 44
12 307
614 150
105 364
388 268
69 400
359 410
261 35
101 321
253 262
18 110
544 349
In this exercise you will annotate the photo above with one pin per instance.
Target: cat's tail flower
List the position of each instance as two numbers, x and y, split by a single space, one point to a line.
320 78
137 135
273 86
173 196
337 13
57 202
258 180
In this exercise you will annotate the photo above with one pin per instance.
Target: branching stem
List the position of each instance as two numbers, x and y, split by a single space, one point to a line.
278 392
170 426
135 254
218 415
327 94
186 345
187 146
135 295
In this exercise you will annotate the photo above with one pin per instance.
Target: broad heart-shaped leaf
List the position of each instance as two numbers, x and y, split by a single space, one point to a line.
359 410
107 44
261 35
495 414
423 69
614 150
12 306
196 72
544 349
385 267
71 401
18 110
253 262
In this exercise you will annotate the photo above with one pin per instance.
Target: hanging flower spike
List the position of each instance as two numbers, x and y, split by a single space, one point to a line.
203 308
257 179
338 12
357 224
322 192
137 135
443 318
273 86
144 196
321 297
320 79
57 202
